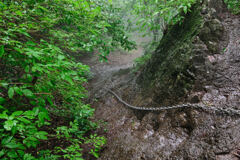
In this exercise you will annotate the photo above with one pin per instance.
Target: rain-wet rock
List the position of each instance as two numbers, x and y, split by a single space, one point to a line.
181 134
212 59
162 118
182 119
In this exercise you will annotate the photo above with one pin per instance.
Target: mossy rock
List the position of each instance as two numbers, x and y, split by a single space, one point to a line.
170 73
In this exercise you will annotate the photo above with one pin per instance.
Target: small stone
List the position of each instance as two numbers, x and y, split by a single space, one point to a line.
212 59
183 120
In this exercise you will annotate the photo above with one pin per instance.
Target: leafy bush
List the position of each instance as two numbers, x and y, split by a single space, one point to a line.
233 5
75 137
38 77
155 15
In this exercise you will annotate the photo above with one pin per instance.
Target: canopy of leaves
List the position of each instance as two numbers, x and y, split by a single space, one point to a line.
169 11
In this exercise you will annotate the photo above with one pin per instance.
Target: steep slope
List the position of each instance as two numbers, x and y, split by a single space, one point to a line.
196 62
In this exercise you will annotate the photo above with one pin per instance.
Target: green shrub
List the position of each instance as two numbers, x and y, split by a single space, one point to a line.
233 5
39 78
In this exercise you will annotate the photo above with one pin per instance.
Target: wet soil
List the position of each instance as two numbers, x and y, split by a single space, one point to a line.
177 134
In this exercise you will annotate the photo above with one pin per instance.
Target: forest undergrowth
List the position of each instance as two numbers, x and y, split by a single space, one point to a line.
42 112
42 109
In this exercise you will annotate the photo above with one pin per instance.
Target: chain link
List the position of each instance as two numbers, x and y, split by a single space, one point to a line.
228 111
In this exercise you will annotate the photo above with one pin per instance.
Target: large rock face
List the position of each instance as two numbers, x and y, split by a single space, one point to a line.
174 67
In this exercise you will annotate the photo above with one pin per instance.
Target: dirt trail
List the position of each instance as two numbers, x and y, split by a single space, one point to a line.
177 134
119 61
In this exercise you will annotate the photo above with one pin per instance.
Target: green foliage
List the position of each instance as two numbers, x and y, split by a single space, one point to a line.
47 155
152 16
39 77
97 143
72 152
99 27
21 131
169 12
76 138
233 5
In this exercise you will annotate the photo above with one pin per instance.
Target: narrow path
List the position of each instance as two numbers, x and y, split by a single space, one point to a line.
119 61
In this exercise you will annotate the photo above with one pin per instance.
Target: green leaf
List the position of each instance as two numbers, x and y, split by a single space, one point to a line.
17 113
23 31
6 140
24 120
9 124
2 100
69 79
185 9
19 13
13 145
29 114
41 135
4 85
60 57
12 154
27 68
36 110
21 153
29 157
42 116
49 99
3 115
2 152
30 142
14 129
1 51
27 93
17 90
10 92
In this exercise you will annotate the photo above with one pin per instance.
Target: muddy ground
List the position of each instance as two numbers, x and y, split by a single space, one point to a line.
176 134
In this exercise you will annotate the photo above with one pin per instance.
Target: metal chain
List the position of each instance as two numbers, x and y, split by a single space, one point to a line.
228 111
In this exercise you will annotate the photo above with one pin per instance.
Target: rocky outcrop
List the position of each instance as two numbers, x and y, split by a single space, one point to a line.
180 62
